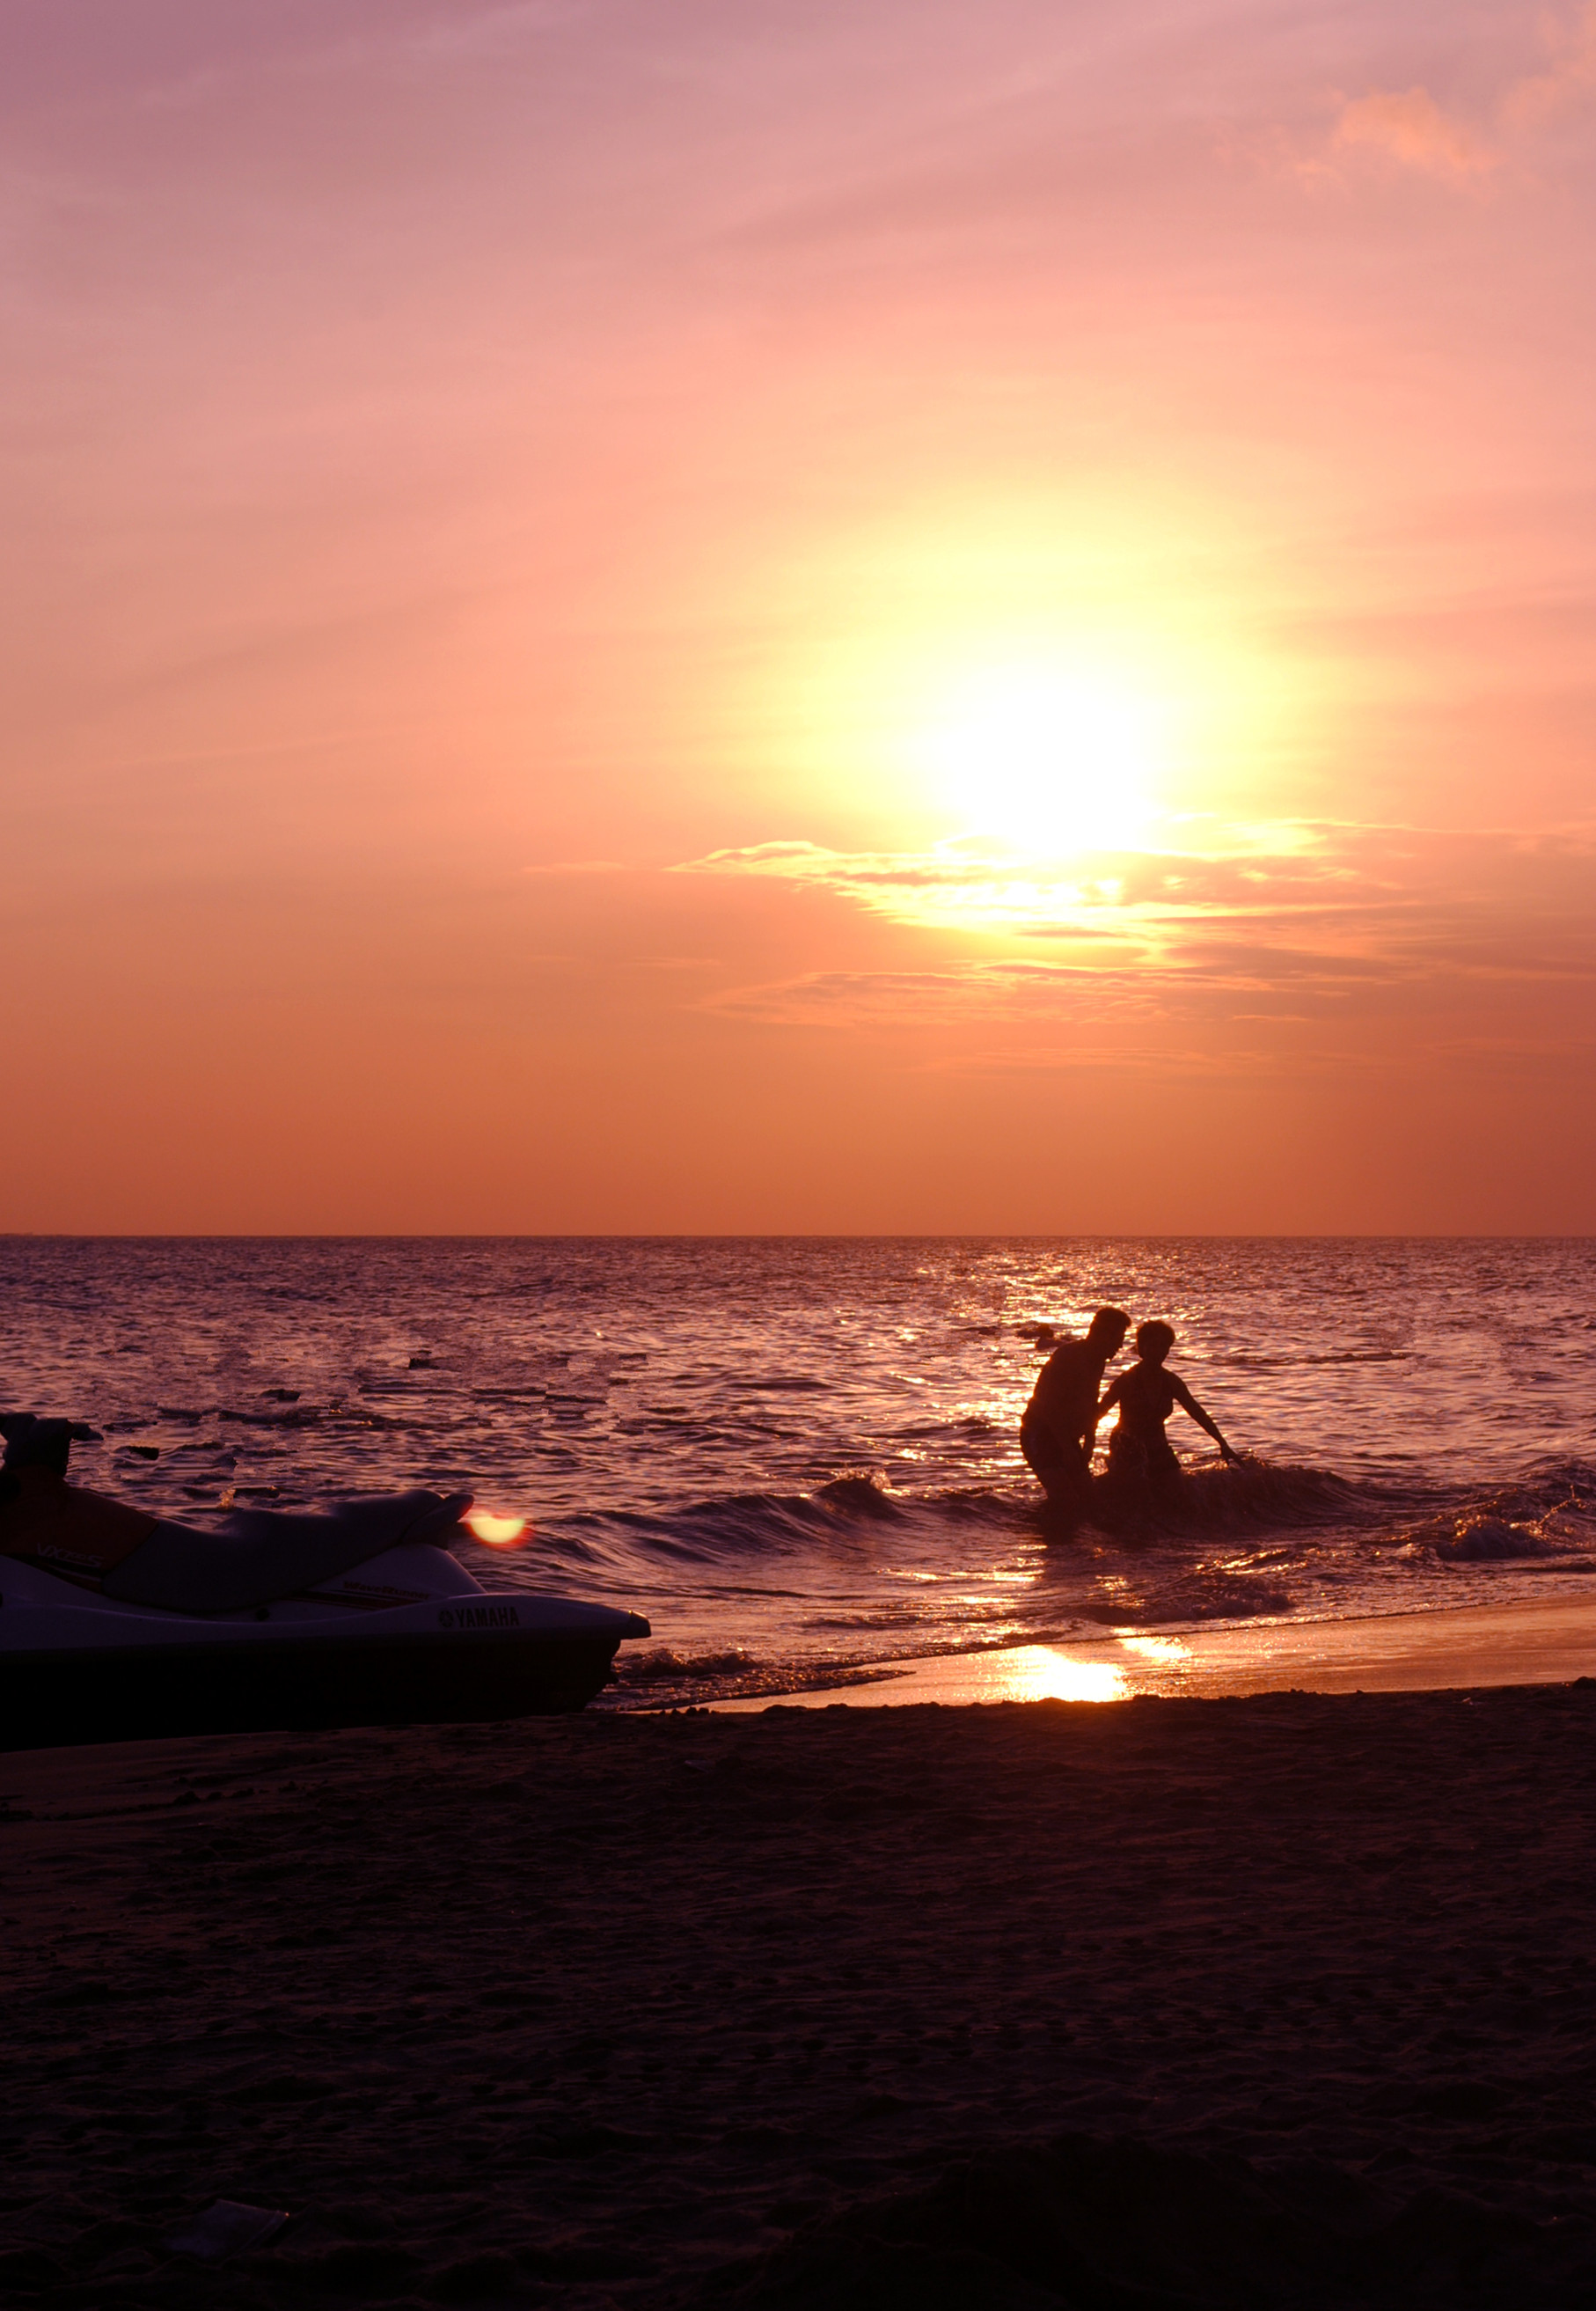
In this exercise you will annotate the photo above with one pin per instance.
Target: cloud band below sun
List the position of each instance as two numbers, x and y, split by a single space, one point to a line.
1412 940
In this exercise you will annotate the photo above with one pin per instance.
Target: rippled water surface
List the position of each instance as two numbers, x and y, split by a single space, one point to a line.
799 1457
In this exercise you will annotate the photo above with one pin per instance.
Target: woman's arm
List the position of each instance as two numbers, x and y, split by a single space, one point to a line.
1183 1396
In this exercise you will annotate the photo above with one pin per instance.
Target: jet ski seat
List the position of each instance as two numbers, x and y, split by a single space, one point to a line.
256 1556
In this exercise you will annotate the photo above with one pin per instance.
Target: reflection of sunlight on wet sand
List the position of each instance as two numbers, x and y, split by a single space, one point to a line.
1042 1673
1167 1650
1524 1643
1097 1671
1114 1667
1077 1672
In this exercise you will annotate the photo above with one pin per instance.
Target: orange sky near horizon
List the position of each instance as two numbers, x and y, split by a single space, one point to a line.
725 617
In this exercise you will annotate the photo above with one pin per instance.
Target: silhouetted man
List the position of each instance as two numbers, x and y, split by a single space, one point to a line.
1059 1425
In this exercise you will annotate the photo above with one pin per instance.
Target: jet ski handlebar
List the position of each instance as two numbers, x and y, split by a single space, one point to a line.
34 1444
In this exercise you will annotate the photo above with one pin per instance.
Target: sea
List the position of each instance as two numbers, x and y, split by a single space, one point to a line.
799 1456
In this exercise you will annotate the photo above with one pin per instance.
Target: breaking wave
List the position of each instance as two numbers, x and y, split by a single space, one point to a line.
864 1579
859 1515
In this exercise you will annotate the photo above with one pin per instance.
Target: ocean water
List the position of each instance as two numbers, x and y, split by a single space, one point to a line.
799 1457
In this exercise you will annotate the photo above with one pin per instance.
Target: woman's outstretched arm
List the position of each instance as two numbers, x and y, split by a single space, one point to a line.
1183 1396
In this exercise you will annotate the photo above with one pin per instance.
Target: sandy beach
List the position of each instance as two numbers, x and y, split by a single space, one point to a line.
1275 2001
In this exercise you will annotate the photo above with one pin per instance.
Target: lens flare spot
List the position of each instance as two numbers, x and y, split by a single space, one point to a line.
498 1531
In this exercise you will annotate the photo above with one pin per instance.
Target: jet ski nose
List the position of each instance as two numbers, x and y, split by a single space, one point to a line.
447 1515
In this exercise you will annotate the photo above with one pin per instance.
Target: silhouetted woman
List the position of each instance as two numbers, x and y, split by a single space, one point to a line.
1147 1394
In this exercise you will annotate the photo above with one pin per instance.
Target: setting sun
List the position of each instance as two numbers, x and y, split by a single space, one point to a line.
1051 759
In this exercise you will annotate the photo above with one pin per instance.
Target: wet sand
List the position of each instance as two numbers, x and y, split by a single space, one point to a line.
1551 1642
1278 2001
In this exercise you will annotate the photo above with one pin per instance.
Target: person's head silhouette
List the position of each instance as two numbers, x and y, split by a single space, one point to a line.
1107 1330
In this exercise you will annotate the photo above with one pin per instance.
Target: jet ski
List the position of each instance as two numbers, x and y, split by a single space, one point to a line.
115 1626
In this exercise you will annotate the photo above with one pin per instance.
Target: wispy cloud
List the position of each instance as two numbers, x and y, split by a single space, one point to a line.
951 886
1408 128
1112 894
1411 130
1569 79
1438 937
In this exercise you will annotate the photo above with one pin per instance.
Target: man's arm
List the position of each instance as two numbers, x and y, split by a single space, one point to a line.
1107 1401
1183 1396
1097 1407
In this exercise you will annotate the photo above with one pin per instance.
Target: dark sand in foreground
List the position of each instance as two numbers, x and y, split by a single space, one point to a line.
1280 2000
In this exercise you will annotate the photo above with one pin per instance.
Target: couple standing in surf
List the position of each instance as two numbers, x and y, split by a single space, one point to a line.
1060 1428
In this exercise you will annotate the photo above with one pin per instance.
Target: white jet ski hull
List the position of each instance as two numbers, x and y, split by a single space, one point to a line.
77 1667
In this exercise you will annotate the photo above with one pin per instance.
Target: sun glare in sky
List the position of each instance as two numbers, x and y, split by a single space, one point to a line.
822 610
1050 760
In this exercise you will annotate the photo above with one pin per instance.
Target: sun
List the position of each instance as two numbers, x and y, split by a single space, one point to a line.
1049 759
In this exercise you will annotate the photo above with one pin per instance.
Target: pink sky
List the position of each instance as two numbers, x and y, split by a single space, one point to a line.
592 588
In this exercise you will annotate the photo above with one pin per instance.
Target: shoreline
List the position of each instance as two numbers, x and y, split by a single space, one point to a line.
1526 1643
